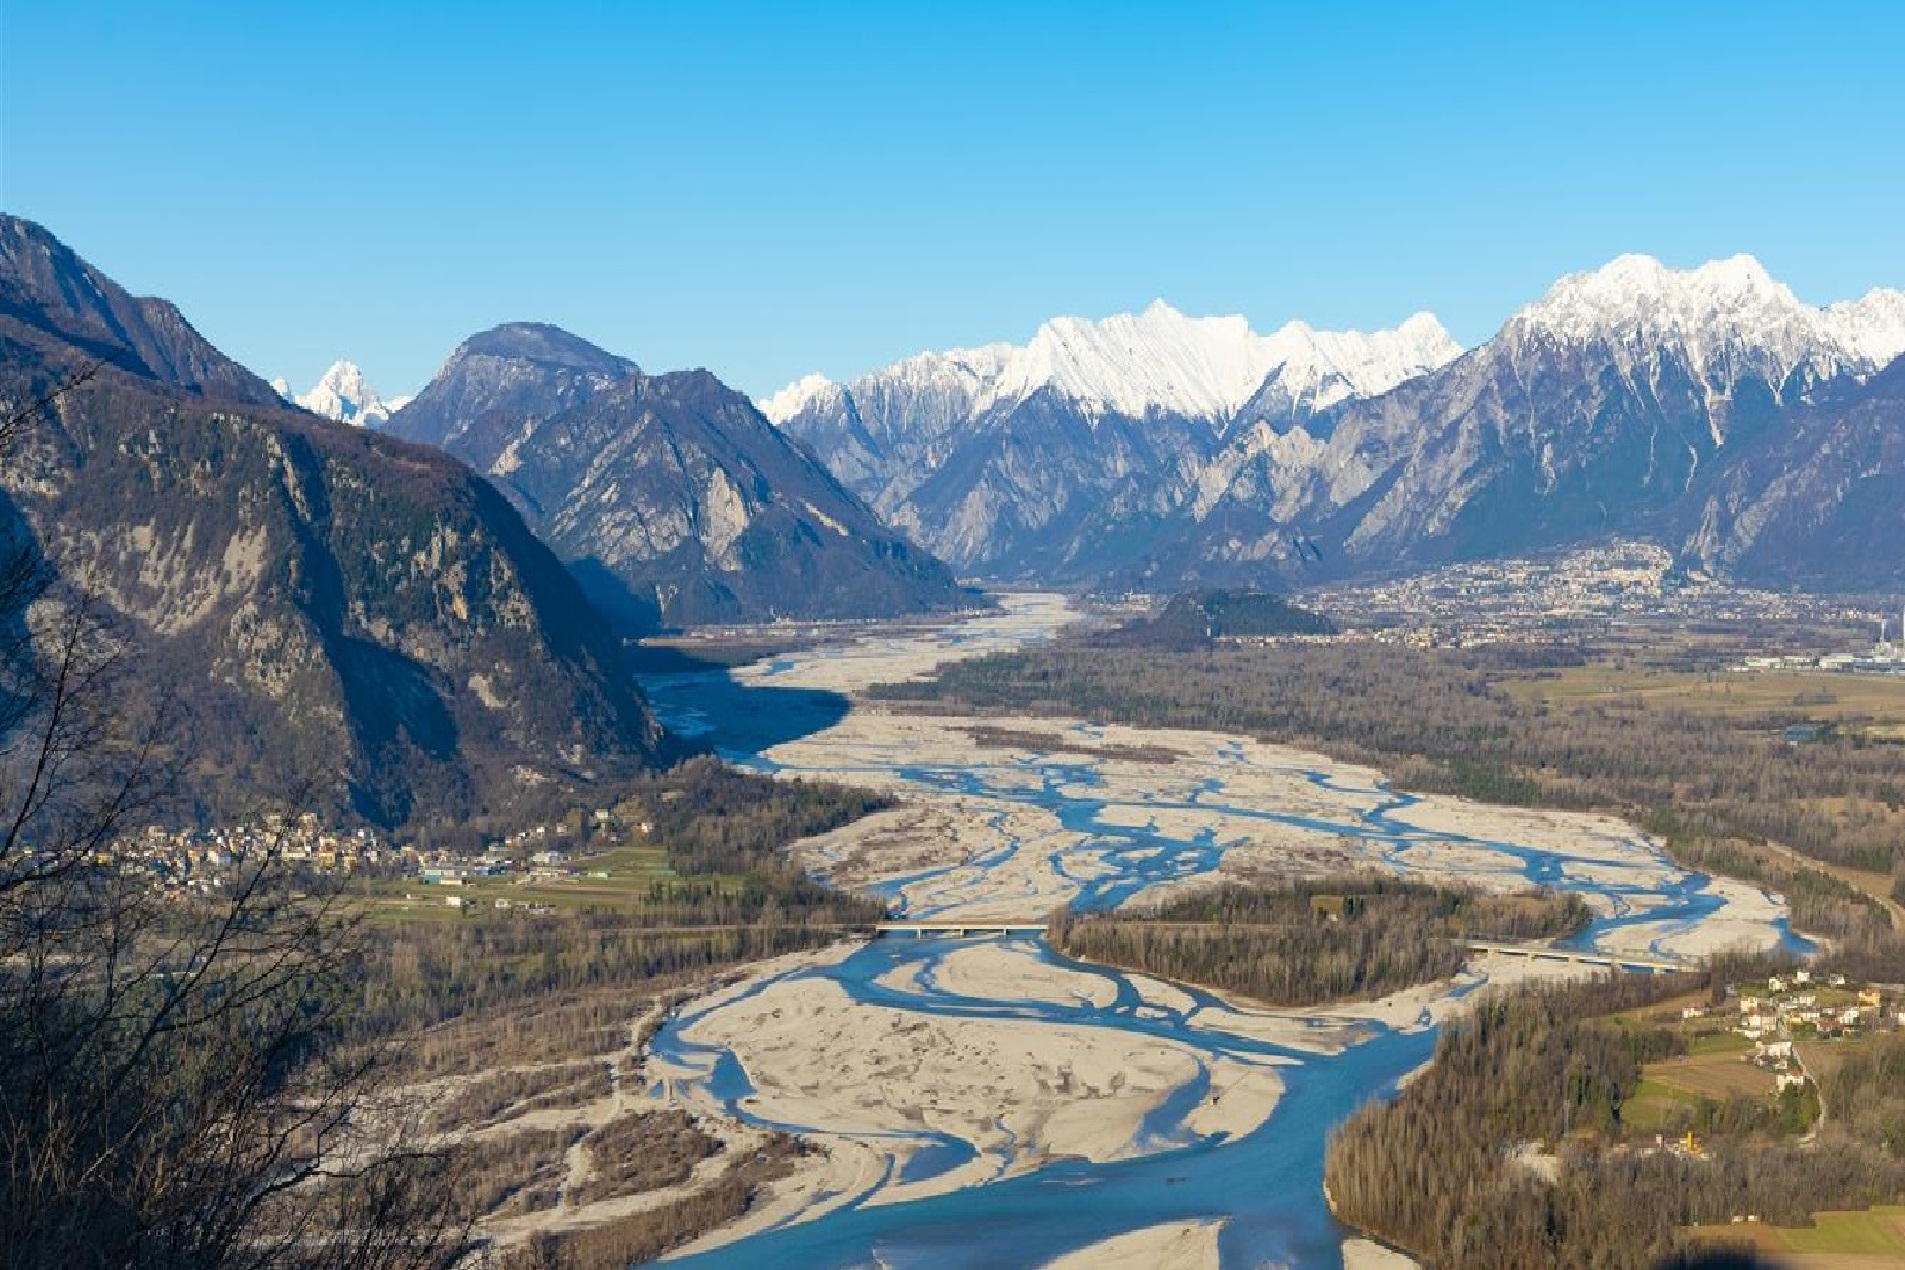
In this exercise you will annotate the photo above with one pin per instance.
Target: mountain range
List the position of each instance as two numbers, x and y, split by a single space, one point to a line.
1060 458
1158 450
673 500
416 621
337 614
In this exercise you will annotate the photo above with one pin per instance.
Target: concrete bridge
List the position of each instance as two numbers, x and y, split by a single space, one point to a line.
960 929
1578 956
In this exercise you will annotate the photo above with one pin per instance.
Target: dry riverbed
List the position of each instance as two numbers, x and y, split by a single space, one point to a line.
990 826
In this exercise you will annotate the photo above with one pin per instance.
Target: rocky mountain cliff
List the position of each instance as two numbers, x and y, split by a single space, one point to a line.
1821 504
49 297
339 613
672 498
1064 458
1634 400
1600 410
501 384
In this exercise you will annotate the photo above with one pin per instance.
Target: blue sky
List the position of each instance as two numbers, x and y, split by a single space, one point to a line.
770 189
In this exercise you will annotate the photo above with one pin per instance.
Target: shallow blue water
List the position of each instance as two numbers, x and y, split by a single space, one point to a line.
1267 1185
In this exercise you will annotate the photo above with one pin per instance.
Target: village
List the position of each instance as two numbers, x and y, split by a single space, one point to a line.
1776 1015
210 862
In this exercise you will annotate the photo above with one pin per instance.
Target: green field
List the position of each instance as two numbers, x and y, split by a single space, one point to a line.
1869 701
1870 1237
1657 1107
617 879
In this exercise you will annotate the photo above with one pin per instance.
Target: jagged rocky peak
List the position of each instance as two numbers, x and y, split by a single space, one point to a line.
1723 318
1637 293
1158 361
1135 363
1317 369
442 662
1873 325
342 393
671 496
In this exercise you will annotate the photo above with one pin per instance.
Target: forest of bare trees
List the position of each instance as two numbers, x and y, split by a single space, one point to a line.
1312 940
1453 1169
1445 721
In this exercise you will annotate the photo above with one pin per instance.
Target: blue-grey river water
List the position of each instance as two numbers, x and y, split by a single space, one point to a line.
1266 1186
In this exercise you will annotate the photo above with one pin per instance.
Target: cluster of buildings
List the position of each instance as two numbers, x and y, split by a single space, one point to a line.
1796 1006
540 853
206 861
1883 657
498 862
1586 591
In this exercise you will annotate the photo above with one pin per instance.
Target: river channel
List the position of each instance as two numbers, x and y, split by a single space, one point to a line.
1023 1148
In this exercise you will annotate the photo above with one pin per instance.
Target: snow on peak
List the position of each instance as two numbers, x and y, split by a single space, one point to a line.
1722 316
345 395
1873 325
1321 368
1640 294
794 398
1134 363
1158 360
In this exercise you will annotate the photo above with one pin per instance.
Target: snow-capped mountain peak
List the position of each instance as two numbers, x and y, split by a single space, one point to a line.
1873 325
797 396
1639 294
1317 369
1722 318
344 394
1157 361
1135 363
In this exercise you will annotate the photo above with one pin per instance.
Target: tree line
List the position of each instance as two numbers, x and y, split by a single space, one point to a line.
1447 721
1453 1169
1312 940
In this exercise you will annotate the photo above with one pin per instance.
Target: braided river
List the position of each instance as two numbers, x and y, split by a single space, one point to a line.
987 1102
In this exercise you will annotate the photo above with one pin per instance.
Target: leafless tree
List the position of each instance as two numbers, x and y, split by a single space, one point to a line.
175 1086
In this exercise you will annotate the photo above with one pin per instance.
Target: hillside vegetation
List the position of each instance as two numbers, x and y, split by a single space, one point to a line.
1315 940
1513 1148
1198 619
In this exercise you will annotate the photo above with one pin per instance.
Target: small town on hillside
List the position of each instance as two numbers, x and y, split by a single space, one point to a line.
207 862
1797 1006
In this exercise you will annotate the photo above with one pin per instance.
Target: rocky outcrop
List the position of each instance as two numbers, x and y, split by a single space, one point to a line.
342 616
1633 401
673 499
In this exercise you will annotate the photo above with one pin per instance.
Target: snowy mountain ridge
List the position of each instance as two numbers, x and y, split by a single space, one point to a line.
1721 317
1158 361
1154 446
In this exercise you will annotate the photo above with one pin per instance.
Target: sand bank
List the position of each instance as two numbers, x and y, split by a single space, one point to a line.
1366 1254
1190 1245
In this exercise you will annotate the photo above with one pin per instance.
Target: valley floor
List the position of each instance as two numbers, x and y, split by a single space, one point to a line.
919 1072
